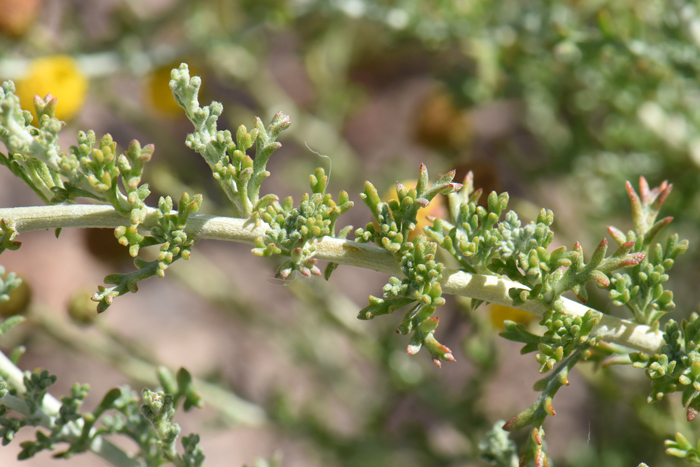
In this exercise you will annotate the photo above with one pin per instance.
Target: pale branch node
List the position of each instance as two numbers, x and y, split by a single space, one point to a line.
493 289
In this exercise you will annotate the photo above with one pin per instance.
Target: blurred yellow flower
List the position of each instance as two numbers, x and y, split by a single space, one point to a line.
500 313
58 75
434 209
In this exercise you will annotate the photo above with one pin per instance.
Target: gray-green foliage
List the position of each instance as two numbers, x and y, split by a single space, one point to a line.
239 175
641 290
146 421
8 282
482 243
497 448
420 286
480 239
293 229
90 171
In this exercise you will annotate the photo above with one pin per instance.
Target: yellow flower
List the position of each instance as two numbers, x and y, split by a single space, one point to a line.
434 209
500 313
58 75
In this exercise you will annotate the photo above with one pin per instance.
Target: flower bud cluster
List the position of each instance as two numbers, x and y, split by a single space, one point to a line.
292 230
168 231
677 365
420 285
565 333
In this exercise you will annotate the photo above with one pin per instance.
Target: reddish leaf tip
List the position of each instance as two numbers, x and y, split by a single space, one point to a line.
644 192
507 426
634 259
603 281
536 436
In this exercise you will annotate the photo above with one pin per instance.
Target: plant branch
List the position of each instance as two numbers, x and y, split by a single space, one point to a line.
49 410
489 288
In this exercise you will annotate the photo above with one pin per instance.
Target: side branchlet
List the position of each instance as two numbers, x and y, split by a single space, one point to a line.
422 275
239 175
149 423
168 231
641 289
92 169
292 230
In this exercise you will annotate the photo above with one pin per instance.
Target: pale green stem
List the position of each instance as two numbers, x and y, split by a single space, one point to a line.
493 289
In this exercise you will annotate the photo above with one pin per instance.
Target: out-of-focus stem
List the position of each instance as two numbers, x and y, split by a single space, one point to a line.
236 410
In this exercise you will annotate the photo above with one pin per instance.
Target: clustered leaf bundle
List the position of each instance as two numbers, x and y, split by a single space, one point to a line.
422 274
293 229
239 175
92 170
